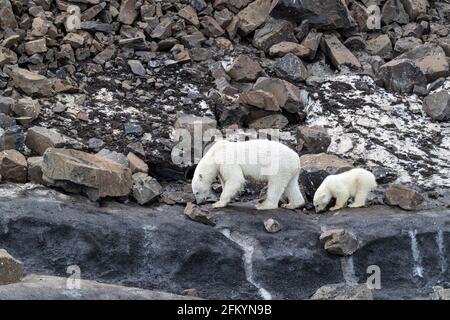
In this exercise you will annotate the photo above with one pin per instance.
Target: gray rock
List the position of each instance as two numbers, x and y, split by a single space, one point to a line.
380 46
339 242
272 225
117 157
343 291
401 75
145 188
404 197
291 67
6 104
194 213
137 67
437 105
313 139
273 32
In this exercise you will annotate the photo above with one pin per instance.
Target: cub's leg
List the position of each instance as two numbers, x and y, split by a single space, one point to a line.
294 195
275 190
360 198
341 196
232 180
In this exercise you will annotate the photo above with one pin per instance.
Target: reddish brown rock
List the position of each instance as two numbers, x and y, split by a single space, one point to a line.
13 166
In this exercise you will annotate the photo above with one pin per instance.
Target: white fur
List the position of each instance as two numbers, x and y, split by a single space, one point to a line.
355 183
258 160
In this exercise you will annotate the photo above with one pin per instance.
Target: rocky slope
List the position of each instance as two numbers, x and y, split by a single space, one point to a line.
92 93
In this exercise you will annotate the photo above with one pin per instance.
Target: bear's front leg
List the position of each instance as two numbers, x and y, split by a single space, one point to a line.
231 188
341 200
275 189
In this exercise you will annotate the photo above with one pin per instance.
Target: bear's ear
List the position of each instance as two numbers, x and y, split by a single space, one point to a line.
200 176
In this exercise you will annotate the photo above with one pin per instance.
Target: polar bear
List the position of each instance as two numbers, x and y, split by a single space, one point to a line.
258 160
355 183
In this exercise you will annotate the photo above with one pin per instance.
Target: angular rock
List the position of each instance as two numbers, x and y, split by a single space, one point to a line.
277 121
437 105
254 15
136 164
212 27
35 170
312 42
12 138
163 30
393 11
128 12
39 139
189 14
291 68
343 291
106 177
194 213
405 44
105 55
27 108
313 139
145 188
8 20
10 269
31 83
330 14
272 225
284 47
380 46
36 46
404 197
260 99
401 75
13 166
244 68
6 104
339 242
137 68
287 94
7 56
114 156
338 53
273 32
414 8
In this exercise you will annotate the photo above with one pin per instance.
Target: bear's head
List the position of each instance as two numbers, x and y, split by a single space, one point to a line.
200 187
321 200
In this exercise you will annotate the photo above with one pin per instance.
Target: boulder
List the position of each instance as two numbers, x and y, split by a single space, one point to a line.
35 170
380 46
127 12
106 177
260 99
437 105
330 14
13 166
394 11
39 139
405 44
313 139
403 197
31 83
6 104
414 8
194 213
7 56
312 42
211 27
189 14
12 138
145 188
36 46
339 242
316 167
273 32
244 68
401 75
343 291
10 269
8 19
291 67
276 121
27 108
338 53
287 94
136 164
285 47
254 15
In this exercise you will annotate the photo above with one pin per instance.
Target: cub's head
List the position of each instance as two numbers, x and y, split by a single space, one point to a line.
200 187
321 200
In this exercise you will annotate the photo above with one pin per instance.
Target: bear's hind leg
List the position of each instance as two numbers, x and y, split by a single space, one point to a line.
294 195
275 190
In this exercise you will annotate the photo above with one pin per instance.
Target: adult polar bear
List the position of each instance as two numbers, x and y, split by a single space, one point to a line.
258 160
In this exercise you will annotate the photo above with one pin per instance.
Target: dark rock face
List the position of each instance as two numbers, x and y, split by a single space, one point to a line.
322 14
160 249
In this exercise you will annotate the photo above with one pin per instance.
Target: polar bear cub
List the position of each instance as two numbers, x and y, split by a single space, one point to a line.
355 183
259 160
